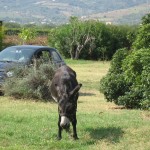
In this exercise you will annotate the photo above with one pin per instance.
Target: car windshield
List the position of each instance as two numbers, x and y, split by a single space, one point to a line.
16 54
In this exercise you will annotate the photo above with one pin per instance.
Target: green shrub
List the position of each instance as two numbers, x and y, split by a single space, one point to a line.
113 84
116 63
136 68
143 35
128 80
30 82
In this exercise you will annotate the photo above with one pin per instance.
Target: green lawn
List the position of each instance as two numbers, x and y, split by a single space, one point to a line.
30 125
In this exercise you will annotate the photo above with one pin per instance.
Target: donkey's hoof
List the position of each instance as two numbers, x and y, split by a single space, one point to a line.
59 138
75 138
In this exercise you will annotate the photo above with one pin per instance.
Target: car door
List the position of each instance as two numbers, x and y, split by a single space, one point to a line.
57 59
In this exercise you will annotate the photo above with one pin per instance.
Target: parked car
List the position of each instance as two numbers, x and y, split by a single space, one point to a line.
25 55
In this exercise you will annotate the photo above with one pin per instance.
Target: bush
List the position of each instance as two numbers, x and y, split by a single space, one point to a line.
30 82
128 80
136 68
113 84
143 35
116 63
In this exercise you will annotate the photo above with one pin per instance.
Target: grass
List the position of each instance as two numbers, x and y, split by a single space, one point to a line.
29 125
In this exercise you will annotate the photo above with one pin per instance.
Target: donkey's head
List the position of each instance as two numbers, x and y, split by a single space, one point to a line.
67 106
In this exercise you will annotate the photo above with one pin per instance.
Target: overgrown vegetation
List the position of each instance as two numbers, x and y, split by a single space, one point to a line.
128 80
30 82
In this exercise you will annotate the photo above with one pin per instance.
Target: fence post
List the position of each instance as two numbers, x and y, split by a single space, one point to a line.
1 36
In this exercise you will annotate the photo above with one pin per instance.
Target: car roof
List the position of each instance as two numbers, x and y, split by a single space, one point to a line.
32 46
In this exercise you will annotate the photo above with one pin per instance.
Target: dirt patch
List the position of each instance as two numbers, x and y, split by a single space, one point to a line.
146 115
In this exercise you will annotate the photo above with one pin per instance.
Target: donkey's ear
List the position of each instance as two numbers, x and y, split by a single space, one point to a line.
75 90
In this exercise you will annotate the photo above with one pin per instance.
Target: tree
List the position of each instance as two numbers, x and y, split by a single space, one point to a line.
72 38
146 19
58 38
80 36
90 39
27 34
143 35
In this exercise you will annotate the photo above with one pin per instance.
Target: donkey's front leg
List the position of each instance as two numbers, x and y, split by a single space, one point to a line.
59 129
74 123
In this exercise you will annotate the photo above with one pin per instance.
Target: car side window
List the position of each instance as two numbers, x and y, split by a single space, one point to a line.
44 56
56 56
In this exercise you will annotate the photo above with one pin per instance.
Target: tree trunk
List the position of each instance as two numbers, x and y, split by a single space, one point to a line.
71 54
73 51
77 55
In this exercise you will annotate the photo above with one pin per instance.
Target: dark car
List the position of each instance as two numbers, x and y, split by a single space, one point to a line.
24 55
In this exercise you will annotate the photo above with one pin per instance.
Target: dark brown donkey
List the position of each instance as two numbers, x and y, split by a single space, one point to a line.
64 90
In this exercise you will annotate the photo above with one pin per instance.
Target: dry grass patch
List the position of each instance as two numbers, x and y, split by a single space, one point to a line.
145 115
15 40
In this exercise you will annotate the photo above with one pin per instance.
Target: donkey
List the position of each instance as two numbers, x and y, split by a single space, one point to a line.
65 91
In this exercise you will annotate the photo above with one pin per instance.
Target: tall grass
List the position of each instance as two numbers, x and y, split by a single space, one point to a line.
29 125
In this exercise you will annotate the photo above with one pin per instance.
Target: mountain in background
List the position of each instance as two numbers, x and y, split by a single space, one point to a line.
59 11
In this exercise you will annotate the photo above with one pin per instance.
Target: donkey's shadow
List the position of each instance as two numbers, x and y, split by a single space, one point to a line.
111 134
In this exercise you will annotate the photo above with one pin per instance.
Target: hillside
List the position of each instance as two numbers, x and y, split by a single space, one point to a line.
130 15
59 11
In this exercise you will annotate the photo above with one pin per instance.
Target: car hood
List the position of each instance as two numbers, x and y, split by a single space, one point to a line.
6 65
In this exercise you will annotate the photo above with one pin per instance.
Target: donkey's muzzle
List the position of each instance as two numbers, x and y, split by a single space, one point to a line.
65 122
